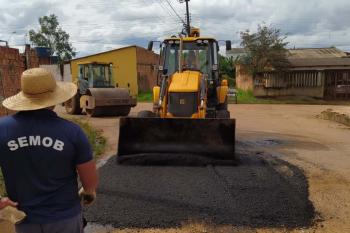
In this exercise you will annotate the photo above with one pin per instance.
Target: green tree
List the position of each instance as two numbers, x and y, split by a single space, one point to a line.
266 49
226 68
52 36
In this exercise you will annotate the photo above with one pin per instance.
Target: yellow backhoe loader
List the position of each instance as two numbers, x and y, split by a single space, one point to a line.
97 94
190 115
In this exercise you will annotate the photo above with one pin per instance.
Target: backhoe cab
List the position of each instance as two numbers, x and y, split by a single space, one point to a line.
189 81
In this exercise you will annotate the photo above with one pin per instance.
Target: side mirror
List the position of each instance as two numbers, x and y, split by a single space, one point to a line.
150 45
228 45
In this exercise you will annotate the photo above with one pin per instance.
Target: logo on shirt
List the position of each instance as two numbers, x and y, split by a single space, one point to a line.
32 141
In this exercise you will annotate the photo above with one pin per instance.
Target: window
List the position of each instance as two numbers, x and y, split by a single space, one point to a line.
195 56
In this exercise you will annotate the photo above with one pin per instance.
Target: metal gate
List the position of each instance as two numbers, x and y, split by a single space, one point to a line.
337 84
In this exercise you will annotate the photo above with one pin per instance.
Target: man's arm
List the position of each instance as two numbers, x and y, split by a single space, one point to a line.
88 176
89 179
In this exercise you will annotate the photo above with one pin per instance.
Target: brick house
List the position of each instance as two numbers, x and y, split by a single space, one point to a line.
12 64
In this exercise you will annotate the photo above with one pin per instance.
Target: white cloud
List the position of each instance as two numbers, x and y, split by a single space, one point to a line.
100 25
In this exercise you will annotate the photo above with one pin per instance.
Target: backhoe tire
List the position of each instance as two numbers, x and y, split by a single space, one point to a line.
222 106
146 114
223 114
72 106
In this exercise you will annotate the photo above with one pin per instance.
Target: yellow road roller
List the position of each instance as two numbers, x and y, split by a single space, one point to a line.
97 94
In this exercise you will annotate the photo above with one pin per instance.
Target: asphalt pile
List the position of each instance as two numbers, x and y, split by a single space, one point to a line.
261 191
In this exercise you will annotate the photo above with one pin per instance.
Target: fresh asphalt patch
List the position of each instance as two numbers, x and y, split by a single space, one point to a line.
261 191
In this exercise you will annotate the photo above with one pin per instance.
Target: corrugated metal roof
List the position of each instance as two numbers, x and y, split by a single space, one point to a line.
109 51
323 62
236 51
318 58
311 53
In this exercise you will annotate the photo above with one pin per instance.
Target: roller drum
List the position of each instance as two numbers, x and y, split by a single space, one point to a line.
107 102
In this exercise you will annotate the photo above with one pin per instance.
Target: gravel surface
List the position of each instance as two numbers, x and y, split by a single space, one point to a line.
262 191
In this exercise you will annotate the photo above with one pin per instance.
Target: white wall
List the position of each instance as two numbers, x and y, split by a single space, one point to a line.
54 69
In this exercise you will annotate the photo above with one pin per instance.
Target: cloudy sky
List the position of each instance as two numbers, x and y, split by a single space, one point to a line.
96 26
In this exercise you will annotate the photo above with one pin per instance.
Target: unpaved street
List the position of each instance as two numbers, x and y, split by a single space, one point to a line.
293 176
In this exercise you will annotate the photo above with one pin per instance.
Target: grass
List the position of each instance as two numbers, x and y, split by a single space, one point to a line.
96 140
247 97
145 97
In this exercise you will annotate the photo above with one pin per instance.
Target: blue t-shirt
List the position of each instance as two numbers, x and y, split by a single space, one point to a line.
39 152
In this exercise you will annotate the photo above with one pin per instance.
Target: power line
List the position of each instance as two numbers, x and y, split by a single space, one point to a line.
171 6
166 10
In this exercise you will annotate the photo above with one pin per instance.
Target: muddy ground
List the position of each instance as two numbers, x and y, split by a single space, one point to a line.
293 176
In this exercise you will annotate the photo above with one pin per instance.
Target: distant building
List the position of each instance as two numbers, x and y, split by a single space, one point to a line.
236 53
45 57
314 72
133 67
30 57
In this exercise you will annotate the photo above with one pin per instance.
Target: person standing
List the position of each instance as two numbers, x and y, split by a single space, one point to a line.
42 155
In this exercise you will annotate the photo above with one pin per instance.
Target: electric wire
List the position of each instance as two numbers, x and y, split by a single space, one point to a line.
171 6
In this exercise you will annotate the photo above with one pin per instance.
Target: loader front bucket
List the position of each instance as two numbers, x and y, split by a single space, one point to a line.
163 138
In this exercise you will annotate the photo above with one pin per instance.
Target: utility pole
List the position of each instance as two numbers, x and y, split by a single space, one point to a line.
188 18
188 27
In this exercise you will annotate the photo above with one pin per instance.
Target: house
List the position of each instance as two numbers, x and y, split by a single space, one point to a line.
29 57
314 72
236 53
133 67
45 57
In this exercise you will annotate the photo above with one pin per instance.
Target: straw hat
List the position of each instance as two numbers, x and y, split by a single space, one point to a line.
39 90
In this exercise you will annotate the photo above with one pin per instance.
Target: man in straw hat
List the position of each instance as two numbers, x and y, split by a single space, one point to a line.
41 155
